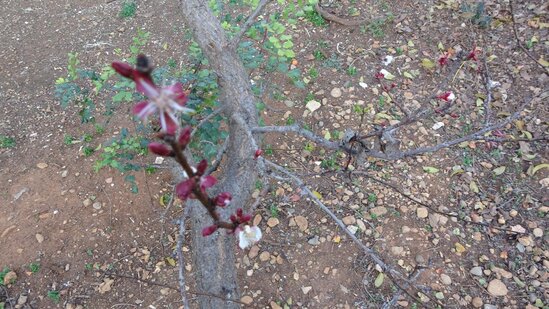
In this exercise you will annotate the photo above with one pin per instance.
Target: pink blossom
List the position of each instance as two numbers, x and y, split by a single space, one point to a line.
167 101
223 199
184 189
207 182
443 60
448 96
185 136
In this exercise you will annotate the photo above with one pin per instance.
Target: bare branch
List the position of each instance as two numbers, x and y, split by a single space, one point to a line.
218 157
249 22
181 258
478 135
389 271
432 208
488 84
519 43
396 296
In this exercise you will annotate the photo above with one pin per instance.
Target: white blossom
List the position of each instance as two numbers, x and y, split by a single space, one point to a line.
248 236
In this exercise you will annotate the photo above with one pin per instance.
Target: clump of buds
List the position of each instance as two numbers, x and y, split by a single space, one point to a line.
168 102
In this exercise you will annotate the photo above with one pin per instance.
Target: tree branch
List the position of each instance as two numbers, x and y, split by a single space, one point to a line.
389 271
519 43
249 22
207 118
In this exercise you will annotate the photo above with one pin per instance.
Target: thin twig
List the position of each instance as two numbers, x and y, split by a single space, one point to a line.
259 198
488 84
396 296
432 208
519 43
249 22
181 258
206 119
218 157
171 287
389 271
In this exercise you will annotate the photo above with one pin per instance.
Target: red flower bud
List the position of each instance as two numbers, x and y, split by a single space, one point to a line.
185 136
473 54
209 230
245 218
258 153
201 167
207 182
184 189
233 219
239 212
443 60
123 69
160 149
379 75
223 199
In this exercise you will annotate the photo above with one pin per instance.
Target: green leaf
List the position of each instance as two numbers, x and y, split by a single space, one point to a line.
379 280
499 170
427 64
430 169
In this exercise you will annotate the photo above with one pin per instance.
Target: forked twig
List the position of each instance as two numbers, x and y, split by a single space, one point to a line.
249 22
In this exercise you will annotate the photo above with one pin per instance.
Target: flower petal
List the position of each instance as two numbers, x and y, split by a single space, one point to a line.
185 136
209 230
145 85
248 236
184 189
170 123
177 93
223 199
201 167
207 182
142 109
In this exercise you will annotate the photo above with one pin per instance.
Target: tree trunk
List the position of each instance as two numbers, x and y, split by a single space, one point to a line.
213 256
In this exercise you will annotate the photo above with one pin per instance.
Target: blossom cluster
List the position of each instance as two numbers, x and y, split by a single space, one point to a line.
167 102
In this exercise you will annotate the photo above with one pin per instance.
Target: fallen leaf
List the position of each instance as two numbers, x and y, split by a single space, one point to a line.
499 170
430 169
532 170
171 261
473 186
459 248
427 64
387 75
379 280
105 286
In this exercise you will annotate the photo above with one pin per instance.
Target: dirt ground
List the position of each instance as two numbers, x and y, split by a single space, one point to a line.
77 238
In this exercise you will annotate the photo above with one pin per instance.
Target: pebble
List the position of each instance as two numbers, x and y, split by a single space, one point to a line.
397 250
477 302
488 306
422 212
247 299
274 305
378 211
301 223
39 238
497 288
96 205
314 241
87 202
476 271
353 229
336 92
21 300
306 289
272 222
254 251
537 232
349 220
108 180
9 278
42 165
64 173
445 279
264 256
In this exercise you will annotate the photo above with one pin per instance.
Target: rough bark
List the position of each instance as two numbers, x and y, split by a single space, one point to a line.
214 256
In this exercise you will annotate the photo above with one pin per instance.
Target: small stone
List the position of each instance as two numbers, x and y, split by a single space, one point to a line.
306 289
476 271
272 222
349 220
489 306
538 232
314 241
254 251
247 299
96 205
336 92
352 228
361 225
397 250
64 173
87 202
313 105
378 211
264 256
497 288
274 305
39 238
405 229
22 300
445 279
42 165
422 212
301 223
477 302
108 180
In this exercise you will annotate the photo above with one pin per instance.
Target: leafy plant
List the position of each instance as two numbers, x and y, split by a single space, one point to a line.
54 296
314 17
6 141
119 153
34 267
477 14
128 9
